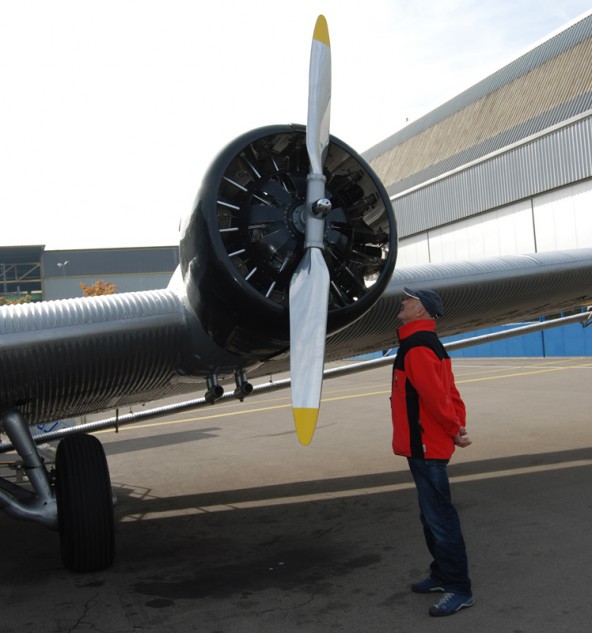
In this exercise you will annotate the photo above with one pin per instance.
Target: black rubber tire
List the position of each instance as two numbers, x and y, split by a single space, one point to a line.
85 504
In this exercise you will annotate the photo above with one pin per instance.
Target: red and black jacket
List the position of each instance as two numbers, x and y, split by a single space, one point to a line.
427 410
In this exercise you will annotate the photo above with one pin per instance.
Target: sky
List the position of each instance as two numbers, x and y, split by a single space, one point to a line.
112 110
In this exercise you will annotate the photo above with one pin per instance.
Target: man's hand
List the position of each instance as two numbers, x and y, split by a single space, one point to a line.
462 439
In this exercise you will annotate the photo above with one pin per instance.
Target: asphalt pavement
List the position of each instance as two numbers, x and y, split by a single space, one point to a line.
225 524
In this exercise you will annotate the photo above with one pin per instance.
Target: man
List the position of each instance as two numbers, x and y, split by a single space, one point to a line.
428 421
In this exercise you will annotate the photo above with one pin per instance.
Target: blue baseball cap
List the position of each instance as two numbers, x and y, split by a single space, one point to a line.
430 300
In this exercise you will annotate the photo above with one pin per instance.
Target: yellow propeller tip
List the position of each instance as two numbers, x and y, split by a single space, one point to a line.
305 420
321 32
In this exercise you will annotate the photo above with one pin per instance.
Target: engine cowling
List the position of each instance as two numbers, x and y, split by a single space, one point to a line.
245 237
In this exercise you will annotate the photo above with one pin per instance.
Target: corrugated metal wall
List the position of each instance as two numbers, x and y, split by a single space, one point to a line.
568 340
504 168
555 220
556 159
546 86
524 130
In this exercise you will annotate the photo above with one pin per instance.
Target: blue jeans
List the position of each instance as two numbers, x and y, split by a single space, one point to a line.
441 525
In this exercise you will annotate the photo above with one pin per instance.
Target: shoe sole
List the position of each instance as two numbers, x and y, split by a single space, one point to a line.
438 614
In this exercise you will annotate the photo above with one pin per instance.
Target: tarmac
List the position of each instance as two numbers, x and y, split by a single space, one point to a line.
225 524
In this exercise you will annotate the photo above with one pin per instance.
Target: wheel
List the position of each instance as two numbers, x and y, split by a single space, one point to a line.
85 504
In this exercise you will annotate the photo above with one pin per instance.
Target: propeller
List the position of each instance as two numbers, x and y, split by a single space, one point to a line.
309 287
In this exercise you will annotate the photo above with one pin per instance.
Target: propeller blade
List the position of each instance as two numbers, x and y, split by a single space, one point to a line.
309 297
319 96
309 288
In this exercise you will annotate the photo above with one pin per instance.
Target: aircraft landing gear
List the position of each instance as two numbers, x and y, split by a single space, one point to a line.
77 501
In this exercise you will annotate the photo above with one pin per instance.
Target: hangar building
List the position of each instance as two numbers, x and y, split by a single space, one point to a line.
47 275
503 168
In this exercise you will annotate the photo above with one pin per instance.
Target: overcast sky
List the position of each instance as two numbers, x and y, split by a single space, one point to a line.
111 111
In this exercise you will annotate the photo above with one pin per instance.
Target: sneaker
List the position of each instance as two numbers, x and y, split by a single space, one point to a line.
427 585
450 603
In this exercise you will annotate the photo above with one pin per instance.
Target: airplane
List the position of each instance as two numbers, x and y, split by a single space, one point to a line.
287 260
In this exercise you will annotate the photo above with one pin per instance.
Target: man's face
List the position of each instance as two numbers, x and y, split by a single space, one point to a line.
411 309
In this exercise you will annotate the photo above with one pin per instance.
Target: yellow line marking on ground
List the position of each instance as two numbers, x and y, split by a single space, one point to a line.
525 373
365 394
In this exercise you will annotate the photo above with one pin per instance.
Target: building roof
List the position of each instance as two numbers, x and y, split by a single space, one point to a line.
110 261
21 254
545 86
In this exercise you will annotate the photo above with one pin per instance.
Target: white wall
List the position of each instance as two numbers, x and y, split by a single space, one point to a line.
413 251
563 218
557 220
504 231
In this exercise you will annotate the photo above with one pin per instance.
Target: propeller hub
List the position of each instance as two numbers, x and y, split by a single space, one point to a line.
298 219
321 208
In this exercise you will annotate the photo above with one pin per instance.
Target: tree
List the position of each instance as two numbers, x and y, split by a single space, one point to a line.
100 287
7 302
